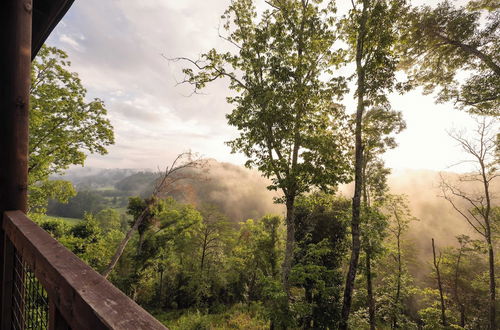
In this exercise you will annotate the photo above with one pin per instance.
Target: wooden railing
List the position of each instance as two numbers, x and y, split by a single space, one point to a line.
47 286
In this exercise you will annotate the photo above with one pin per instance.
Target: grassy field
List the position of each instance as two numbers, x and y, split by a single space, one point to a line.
69 221
239 316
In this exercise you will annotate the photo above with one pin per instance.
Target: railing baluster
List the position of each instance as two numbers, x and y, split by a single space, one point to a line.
78 297
56 320
7 283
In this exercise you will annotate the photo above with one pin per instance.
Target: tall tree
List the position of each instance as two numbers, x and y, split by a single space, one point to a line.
213 229
289 125
370 30
321 245
136 207
463 241
64 126
256 257
397 209
461 271
444 44
374 228
379 128
436 262
475 205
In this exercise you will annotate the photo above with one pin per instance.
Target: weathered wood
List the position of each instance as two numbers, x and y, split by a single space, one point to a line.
85 299
46 15
56 320
15 63
7 284
14 103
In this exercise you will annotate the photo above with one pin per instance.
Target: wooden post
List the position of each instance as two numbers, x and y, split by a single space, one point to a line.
7 284
14 104
15 68
56 320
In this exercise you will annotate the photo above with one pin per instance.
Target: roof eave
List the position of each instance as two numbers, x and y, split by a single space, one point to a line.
46 15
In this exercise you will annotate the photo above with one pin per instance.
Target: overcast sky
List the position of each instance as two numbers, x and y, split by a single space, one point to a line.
116 46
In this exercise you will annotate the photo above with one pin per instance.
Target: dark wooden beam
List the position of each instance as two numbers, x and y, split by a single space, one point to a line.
84 298
46 15
15 68
24 26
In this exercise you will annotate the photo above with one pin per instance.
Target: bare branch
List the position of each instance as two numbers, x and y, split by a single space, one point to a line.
164 182
482 148
227 39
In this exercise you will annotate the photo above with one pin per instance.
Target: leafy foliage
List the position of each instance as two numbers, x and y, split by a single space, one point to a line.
64 126
443 44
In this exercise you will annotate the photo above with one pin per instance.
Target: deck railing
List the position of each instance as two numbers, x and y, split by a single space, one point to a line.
45 286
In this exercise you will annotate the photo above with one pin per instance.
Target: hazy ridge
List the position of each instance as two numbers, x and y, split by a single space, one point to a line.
241 193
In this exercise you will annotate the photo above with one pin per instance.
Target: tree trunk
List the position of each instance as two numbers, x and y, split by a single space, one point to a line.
460 305
141 242
308 319
203 253
491 260
369 290
290 243
160 287
486 59
251 288
440 285
489 240
358 175
273 256
368 269
398 279
462 316
124 242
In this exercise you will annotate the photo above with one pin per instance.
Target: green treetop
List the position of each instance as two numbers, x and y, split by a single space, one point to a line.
456 51
290 128
64 125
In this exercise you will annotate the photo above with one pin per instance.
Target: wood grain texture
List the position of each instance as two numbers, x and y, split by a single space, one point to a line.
85 299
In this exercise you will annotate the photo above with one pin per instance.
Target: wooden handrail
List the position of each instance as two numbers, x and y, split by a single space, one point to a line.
85 299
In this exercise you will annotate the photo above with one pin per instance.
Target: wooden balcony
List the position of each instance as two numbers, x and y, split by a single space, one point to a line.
43 285
47 286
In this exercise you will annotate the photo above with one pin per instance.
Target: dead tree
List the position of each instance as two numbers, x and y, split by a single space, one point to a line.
475 205
400 217
167 181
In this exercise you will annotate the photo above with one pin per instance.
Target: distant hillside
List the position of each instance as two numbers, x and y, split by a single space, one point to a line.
241 194
89 178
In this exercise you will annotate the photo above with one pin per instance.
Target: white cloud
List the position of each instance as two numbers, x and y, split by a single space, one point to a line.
65 39
116 48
